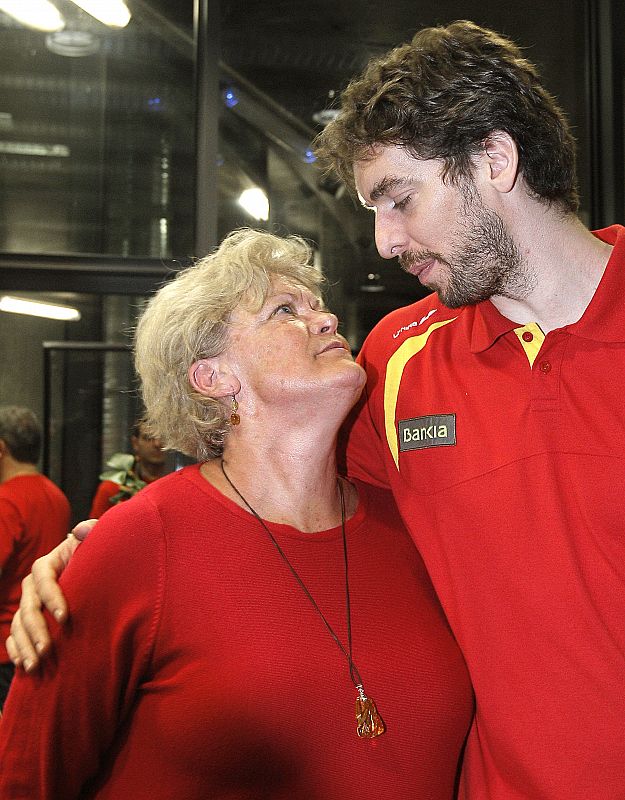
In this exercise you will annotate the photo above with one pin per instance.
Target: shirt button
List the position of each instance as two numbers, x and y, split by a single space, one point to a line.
527 336
545 366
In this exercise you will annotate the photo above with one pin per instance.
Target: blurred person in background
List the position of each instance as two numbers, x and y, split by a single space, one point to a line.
126 473
34 516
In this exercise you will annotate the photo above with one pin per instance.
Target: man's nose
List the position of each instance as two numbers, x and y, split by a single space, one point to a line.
390 239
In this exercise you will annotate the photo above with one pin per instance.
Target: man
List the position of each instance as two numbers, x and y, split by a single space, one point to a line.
127 473
494 411
34 517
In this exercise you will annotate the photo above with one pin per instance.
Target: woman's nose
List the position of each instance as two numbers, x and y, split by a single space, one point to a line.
325 322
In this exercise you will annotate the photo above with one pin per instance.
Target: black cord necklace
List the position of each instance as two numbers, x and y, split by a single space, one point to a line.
368 722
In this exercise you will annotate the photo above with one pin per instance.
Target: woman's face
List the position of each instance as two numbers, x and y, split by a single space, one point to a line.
290 351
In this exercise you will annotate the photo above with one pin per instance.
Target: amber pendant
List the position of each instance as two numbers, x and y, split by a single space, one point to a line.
369 723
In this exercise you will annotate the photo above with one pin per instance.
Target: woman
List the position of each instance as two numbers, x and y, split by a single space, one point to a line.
225 619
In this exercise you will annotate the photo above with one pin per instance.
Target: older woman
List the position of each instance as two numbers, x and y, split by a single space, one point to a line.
227 619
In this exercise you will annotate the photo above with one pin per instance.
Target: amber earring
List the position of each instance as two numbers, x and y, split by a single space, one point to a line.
234 417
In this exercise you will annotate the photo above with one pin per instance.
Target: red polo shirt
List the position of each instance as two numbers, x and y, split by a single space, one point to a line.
504 450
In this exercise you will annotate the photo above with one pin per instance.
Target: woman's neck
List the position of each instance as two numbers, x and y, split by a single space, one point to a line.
293 484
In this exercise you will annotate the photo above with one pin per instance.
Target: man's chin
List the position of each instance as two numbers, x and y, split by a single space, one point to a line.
460 302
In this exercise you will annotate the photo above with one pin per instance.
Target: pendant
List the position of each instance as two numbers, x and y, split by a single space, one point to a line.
369 723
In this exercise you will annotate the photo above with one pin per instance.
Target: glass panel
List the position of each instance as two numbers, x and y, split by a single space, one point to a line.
96 137
78 377
90 412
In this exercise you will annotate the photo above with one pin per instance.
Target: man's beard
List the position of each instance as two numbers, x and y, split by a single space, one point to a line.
484 262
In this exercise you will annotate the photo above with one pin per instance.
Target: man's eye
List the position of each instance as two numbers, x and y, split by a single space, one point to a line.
400 204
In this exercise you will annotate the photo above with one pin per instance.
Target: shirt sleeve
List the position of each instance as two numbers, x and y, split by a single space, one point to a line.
11 530
361 448
59 723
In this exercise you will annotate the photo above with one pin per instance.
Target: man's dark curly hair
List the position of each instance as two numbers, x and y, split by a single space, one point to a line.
441 96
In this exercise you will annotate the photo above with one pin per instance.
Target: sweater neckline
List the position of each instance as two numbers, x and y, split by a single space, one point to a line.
193 473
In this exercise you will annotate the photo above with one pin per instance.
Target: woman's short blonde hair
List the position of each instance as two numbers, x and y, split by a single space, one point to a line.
187 319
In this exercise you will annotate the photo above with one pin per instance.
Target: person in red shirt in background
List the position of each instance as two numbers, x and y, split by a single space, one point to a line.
34 516
126 473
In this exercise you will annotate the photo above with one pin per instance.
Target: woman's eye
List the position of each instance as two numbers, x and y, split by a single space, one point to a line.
285 308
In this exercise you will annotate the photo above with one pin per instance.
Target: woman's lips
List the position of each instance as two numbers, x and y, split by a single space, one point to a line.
334 345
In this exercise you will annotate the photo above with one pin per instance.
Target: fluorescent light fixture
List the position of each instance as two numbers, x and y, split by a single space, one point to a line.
255 202
34 149
39 14
113 13
33 308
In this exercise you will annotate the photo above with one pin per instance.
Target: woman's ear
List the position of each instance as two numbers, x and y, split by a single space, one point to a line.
210 377
501 157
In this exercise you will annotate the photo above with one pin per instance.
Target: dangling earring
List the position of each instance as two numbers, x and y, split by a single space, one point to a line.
234 417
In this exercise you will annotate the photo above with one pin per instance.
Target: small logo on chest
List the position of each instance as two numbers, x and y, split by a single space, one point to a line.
437 430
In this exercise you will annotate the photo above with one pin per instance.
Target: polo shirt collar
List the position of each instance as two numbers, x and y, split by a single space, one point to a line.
603 320
487 326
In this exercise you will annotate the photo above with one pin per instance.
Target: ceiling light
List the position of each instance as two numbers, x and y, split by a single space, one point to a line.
39 14
33 308
373 284
74 44
229 97
111 12
255 202
34 149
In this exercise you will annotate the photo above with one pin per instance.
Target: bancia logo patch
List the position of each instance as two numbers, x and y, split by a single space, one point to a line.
419 433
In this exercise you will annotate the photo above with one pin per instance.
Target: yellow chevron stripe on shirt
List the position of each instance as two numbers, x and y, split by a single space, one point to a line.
394 371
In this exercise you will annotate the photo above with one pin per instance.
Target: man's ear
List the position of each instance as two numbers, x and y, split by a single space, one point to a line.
501 159
212 378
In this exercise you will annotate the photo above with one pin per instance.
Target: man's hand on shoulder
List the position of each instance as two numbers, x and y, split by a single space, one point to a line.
30 641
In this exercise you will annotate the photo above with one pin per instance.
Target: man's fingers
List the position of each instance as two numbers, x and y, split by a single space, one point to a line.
30 637
24 650
46 588
45 574
82 529
13 652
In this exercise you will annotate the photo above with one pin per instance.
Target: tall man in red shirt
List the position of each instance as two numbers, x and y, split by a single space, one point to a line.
494 411
34 516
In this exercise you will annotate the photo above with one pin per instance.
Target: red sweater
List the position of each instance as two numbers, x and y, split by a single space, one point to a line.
505 454
194 667
34 518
